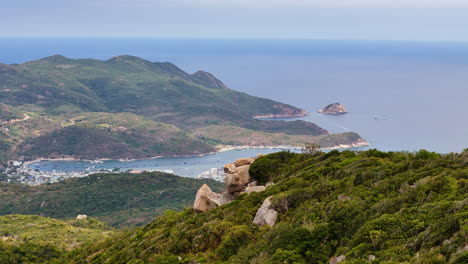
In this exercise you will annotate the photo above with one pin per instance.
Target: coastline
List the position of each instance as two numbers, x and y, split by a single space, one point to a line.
221 148
303 113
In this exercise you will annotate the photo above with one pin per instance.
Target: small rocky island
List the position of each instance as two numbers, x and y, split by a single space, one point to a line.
334 109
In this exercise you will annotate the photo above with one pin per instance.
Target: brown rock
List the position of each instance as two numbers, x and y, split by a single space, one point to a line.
230 168
237 181
243 161
226 198
254 189
206 199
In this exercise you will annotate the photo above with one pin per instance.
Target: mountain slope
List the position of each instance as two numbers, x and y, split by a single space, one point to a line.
36 239
367 207
120 199
164 104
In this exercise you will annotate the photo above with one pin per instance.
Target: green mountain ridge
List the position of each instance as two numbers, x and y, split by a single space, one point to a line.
64 97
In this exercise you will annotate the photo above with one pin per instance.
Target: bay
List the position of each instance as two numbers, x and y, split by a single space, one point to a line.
400 95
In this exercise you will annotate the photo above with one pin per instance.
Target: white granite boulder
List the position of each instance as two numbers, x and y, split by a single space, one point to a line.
266 215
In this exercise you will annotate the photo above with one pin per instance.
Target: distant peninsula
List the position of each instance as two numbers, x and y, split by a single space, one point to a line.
130 108
334 109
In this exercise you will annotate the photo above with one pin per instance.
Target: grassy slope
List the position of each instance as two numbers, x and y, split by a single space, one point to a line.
106 135
233 135
36 239
65 235
157 102
117 199
399 207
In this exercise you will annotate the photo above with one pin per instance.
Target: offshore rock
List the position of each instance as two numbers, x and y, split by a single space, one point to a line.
334 109
266 215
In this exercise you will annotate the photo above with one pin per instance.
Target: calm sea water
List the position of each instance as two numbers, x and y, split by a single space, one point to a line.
400 95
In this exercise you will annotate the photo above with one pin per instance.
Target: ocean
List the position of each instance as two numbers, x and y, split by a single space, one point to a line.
400 95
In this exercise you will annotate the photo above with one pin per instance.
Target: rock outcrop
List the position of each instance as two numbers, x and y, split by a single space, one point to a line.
251 189
237 180
334 109
237 175
79 217
243 162
266 215
206 199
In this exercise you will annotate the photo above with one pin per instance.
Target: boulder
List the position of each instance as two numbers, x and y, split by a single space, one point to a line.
225 198
251 189
206 199
243 161
81 217
336 260
266 215
237 181
252 184
230 168
343 197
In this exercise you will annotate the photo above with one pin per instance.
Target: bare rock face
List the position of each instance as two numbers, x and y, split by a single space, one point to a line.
226 197
206 199
81 217
230 168
251 189
266 215
243 161
237 181
334 109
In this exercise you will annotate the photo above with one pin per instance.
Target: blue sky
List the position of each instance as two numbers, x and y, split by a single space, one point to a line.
439 20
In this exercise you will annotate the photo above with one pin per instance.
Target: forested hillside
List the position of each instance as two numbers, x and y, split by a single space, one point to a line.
372 206
119 199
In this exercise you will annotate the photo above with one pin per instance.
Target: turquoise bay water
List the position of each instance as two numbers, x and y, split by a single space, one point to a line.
183 166
400 95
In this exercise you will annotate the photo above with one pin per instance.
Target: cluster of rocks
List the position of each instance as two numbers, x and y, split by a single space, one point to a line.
237 180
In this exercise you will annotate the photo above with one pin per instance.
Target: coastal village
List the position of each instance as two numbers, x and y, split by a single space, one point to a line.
20 172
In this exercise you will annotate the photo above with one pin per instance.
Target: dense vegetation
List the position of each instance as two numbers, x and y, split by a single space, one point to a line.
392 206
134 108
119 199
35 239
